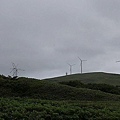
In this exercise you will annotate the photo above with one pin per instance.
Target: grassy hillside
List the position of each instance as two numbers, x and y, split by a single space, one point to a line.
96 77
32 88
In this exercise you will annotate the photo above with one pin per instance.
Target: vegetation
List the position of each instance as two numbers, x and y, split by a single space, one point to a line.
31 88
102 87
90 96
35 109
96 77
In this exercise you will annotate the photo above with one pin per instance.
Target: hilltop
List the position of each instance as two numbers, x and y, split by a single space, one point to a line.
95 77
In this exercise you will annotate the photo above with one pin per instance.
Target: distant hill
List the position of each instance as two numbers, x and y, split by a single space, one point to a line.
44 89
95 77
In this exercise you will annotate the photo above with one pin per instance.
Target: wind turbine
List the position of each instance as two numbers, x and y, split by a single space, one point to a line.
71 67
15 70
81 62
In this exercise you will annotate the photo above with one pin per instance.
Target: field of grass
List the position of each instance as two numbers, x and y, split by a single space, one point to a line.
96 77
36 109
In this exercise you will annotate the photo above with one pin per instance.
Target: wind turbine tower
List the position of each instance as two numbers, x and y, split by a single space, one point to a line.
81 62
71 67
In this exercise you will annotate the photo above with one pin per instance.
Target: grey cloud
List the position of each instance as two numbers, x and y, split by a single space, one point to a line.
43 36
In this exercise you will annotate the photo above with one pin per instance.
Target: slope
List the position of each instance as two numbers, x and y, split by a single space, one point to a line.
95 77
33 88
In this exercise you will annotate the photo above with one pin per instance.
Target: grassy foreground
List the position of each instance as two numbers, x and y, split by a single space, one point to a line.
35 109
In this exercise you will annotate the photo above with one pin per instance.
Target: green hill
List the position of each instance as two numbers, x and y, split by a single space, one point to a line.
65 99
42 89
96 77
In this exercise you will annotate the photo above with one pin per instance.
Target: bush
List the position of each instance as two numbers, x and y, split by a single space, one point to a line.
105 88
74 83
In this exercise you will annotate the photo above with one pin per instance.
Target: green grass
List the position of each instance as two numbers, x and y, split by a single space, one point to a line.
96 77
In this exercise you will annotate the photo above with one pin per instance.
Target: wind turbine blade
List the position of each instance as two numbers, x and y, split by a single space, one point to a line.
68 64
13 64
11 70
79 58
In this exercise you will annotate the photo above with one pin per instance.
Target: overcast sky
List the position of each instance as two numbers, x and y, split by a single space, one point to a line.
43 36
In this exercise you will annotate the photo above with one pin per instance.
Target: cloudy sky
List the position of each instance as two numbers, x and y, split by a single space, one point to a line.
43 36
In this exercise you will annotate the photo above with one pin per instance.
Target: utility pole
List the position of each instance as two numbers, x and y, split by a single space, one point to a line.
81 62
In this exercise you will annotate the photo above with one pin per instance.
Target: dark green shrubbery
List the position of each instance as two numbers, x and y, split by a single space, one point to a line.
105 88
102 87
31 88
74 83
34 109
